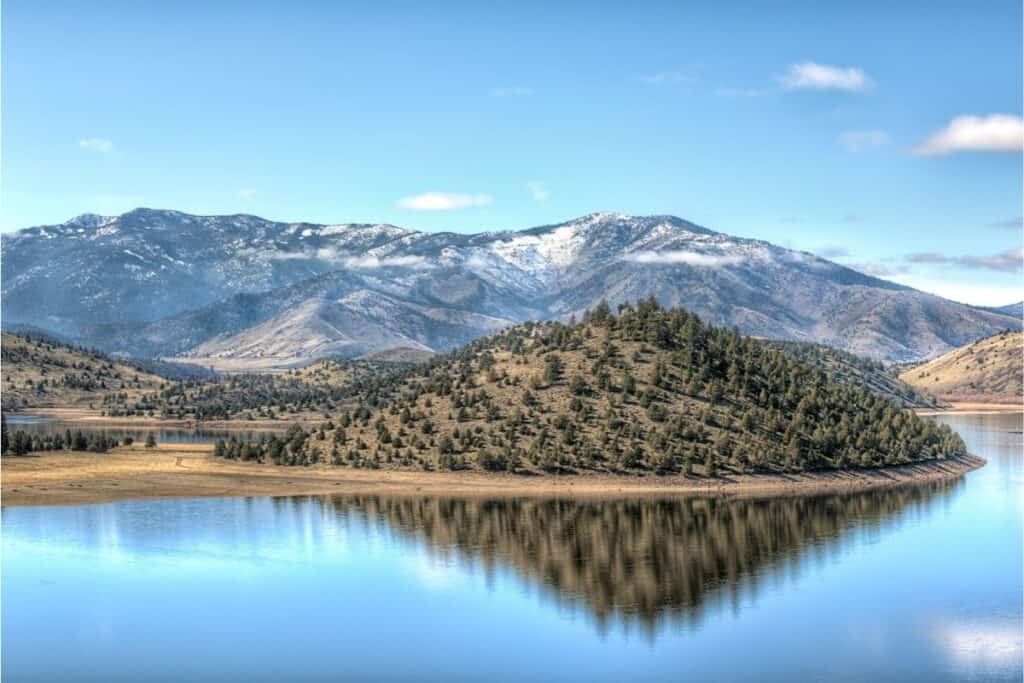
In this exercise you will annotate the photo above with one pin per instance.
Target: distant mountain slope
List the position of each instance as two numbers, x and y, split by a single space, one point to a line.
988 370
1015 309
361 323
863 373
164 282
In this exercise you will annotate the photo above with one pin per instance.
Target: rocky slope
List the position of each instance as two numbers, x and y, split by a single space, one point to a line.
224 287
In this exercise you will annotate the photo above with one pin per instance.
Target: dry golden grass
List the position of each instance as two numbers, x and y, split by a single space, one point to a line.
36 374
988 371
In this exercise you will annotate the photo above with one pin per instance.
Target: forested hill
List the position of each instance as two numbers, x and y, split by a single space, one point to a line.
39 371
646 390
863 373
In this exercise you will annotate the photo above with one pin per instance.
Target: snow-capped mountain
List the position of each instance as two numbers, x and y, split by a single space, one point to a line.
214 287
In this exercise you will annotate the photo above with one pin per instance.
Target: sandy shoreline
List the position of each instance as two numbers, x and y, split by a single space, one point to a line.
190 471
974 408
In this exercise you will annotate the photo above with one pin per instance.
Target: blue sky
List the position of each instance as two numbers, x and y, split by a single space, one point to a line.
884 135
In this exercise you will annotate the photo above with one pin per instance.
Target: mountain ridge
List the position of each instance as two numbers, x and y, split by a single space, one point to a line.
161 282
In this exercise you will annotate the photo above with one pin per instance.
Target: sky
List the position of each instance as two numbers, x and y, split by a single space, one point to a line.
884 135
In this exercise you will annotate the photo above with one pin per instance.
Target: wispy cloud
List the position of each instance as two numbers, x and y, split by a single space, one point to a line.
511 91
679 76
443 201
833 252
101 145
1012 224
690 258
811 75
1007 261
334 256
371 262
247 193
879 269
740 92
538 190
993 133
861 140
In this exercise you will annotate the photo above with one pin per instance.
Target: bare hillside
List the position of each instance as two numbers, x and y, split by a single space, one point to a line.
988 370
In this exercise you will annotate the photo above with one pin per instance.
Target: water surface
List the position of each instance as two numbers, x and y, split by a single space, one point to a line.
920 583
35 424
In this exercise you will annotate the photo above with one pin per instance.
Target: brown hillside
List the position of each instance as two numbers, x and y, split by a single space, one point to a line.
988 370
37 373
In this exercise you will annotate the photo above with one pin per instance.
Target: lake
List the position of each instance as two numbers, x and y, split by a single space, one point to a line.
35 424
920 583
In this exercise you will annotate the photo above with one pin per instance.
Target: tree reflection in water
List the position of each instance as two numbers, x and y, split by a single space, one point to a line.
641 562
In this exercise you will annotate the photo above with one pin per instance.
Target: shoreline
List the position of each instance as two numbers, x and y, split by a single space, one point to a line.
973 408
91 418
190 471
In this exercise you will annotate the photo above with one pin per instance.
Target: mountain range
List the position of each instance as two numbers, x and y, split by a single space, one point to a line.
242 292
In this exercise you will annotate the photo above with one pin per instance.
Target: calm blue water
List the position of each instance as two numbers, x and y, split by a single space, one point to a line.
35 424
916 584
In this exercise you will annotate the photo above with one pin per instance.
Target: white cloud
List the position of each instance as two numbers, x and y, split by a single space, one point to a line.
824 77
860 140
538 190
1012 223
994 133
279 255
672 77
511 91
101 145
880 269
370 261
831 252
247 193
332 255
690 258
442 201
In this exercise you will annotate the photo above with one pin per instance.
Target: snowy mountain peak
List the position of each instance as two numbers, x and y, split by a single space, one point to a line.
89 220
152 282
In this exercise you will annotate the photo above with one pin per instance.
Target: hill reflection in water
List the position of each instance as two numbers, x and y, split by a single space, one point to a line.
646 563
